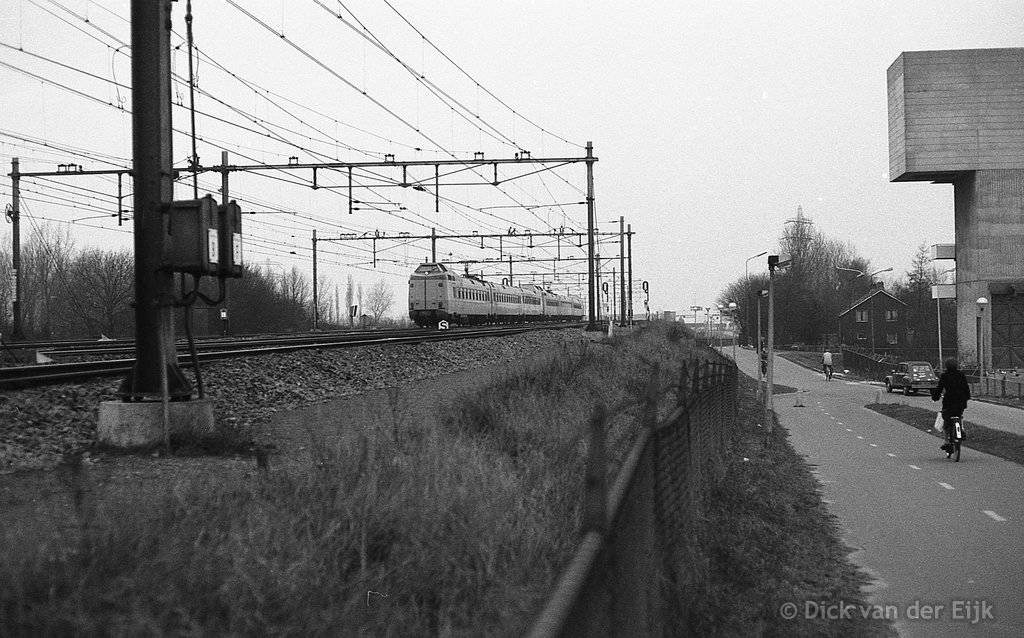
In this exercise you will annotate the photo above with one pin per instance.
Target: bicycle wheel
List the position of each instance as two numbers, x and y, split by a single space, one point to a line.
956 452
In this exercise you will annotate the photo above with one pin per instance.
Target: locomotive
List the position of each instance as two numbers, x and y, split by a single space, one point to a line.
437 294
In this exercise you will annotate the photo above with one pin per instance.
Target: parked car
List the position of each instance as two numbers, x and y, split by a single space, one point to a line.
911 376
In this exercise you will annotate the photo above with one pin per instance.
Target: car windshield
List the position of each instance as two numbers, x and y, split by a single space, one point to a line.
921 368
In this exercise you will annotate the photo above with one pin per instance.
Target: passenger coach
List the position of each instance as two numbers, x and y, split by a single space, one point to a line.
437 294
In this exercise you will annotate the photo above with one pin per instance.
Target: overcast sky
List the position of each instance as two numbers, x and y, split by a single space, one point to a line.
712 122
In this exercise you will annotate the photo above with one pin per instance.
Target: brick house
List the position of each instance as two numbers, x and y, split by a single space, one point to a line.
877 321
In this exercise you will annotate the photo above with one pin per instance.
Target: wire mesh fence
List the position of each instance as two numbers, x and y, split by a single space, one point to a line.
635 565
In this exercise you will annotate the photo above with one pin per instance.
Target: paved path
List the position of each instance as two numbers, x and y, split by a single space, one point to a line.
991 415
931 532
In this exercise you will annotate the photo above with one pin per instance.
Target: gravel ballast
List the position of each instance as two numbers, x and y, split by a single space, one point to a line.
39 426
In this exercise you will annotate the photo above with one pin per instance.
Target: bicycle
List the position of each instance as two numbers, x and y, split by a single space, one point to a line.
954 437
828 372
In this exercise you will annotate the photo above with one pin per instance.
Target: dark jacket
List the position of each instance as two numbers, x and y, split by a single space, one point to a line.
954 390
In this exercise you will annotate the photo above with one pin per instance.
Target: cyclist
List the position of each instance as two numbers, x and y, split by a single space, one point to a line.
826 364
955 392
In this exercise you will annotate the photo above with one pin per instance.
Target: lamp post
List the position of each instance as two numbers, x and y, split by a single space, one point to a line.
760 295
938 317
732 312
871 311
982 302
871 286
746 282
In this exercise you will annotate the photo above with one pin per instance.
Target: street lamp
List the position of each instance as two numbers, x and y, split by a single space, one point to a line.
746 282
760 295
871 285
732 312
982 302
860 273
938 314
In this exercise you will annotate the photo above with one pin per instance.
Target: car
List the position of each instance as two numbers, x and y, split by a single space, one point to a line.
911 376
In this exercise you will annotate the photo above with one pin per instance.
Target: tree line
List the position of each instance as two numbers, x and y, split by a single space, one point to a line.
821 282
88 293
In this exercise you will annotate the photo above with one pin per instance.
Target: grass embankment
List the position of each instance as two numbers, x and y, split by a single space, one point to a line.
1005 445
454 528
768 540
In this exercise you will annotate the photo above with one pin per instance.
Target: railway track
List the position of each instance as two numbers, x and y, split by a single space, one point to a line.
209 350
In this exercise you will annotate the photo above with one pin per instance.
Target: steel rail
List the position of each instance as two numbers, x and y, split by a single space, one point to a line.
42 374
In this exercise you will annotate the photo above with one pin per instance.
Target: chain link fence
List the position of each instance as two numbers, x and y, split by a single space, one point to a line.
636 564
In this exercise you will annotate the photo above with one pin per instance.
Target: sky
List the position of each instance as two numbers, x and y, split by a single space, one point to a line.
712 123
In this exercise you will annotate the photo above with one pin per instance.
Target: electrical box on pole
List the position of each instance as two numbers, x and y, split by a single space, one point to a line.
193 237
205 238
230 221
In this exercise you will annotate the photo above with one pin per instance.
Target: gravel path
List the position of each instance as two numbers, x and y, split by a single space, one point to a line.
38 426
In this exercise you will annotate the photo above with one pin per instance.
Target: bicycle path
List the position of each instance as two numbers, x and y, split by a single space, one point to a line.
991 415
942 540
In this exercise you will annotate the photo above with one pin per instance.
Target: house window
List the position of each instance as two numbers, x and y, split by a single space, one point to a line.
861 336
862 316
892 315
891 338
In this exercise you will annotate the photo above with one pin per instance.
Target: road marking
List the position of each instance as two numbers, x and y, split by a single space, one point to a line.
946 485
890 454
915 467
852 383
873 444
996 517
839 422
849 430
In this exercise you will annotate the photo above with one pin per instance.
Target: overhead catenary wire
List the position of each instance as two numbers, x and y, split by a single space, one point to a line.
449 203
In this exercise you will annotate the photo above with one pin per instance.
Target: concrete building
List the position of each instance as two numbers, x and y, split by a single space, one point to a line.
957 117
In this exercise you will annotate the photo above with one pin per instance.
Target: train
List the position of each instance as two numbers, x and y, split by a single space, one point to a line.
437 294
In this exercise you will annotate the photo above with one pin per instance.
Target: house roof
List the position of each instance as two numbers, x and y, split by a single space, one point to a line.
869 295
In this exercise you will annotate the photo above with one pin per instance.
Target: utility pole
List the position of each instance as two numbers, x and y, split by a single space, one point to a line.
316 300
15 216
224 198
622 271
614 310
769 402
757 342
156 369
592 283
433 245
629 258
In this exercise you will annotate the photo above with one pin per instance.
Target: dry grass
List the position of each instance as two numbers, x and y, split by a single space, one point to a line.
400 530
1005 445
767 539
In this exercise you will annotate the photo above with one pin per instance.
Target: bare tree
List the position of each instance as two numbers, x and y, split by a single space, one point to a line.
359 299
350 293
47 303
103 289
6 286
380 300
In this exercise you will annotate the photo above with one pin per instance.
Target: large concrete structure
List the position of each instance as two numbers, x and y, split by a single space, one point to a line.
957 117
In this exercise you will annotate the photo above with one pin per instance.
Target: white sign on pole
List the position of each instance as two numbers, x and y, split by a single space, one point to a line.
943 251
944 291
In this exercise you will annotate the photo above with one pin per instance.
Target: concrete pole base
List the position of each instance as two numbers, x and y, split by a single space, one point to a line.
141 424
